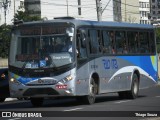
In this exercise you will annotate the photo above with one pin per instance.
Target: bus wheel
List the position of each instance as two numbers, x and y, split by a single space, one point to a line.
2 99
133 93
37 102
90 99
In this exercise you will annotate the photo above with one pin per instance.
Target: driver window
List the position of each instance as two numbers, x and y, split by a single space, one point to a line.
81 43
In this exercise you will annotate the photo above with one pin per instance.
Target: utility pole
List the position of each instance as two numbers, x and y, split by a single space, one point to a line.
14 9
99 10
67 8
125 12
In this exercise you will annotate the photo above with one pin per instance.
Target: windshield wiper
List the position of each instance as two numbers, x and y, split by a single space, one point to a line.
24 65
52 63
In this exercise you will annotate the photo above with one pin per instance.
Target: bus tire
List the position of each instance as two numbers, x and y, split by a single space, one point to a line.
37 102
133 93
90 99
2 99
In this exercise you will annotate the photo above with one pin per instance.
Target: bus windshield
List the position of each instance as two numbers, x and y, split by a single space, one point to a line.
40 51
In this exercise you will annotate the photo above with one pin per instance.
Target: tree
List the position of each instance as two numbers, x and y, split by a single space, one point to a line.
23 15
5 36
5 31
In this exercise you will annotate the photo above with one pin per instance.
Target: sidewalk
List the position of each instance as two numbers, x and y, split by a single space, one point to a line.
3 63
11 99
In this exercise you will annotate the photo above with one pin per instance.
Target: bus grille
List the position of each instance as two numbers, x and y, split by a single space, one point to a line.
39 75
40 91
38 84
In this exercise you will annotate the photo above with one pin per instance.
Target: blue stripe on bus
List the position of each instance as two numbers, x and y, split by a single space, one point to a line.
144 62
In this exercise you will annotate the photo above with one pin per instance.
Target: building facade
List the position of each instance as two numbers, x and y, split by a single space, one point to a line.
155 11
130 11
80 9
117 10
8 8
144 10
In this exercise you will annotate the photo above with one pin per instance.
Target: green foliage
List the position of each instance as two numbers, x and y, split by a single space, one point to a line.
5 36
23 15
5 32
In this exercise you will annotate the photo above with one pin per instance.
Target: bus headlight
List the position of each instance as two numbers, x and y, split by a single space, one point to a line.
13 80
66 79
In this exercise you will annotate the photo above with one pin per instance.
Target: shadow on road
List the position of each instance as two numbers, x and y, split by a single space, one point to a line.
60 102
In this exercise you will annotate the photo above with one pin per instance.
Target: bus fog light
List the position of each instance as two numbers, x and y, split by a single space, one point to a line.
67 91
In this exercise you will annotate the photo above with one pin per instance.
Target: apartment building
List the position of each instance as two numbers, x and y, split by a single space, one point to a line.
8 8
80 9
144 10
155 9
155 12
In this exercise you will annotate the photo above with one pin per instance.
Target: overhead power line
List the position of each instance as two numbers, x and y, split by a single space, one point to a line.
126 4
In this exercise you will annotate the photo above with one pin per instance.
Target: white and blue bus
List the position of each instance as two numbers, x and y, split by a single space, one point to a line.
82 59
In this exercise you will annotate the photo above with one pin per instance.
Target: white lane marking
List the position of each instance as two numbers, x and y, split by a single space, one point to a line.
157 96
73 109
123 101
14 119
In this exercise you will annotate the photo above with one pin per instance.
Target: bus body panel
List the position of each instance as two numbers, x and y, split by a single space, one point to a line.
115 73
39 86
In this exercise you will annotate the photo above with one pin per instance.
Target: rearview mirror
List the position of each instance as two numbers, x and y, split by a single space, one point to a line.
70 31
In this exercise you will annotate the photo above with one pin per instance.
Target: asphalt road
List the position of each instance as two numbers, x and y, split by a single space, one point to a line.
107 105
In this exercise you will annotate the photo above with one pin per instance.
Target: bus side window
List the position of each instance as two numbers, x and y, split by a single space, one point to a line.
107 42
81 44
144 42
121 44
93 42
99 37
132 41
152 43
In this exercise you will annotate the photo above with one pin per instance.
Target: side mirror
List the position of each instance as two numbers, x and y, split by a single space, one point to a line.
70 31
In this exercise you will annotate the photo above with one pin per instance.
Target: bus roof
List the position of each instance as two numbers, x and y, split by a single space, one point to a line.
78 23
